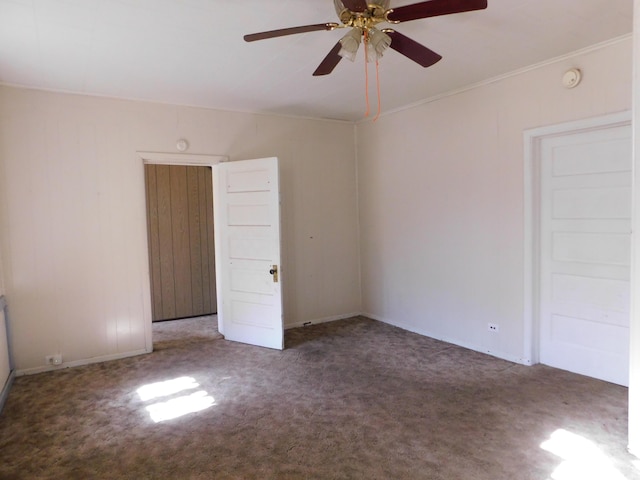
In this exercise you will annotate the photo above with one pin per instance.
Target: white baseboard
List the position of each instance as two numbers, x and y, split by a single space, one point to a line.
410 328
5 390
334 318
79 363
456 342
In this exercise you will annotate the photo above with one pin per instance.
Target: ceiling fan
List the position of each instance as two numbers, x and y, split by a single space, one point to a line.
363 16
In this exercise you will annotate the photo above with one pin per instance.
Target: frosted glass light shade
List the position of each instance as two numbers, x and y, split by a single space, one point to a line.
378 43
350 44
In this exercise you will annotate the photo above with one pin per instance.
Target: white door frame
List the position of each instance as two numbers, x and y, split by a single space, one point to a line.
162 158
532 158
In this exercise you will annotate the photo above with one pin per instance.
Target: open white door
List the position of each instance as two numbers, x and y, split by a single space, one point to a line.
247 239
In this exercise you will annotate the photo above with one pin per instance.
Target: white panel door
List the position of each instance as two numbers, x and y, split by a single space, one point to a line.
247 237
585 248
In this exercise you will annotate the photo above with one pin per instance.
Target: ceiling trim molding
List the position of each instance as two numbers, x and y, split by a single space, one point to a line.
514 73
175 105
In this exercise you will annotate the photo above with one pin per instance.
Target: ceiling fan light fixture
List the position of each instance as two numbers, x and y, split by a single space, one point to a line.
381 3
377 43
350 44
362 16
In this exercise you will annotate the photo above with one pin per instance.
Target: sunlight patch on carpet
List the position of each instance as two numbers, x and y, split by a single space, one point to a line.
582 459
178 406
164 389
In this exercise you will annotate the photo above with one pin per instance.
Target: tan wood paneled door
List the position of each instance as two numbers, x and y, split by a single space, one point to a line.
181 245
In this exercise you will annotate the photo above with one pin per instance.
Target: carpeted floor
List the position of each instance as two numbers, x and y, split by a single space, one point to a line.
353 399
179 333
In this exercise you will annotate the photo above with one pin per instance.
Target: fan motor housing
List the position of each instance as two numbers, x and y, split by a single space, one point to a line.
375 13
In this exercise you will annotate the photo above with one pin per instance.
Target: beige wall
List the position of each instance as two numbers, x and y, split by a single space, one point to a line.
1 275
2 292
4 346
634 376
441 199
72 214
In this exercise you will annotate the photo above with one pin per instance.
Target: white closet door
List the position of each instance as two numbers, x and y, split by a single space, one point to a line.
585 220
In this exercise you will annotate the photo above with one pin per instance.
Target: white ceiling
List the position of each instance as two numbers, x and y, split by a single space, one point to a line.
191 52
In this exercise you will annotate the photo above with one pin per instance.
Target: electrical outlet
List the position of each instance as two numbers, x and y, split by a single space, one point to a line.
53 359
494 327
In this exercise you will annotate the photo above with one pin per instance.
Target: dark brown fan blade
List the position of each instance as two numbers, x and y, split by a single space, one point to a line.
289 31
412 49
330 61
355 5
434 8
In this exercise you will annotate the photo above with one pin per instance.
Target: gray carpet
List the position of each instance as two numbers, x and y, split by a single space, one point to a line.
350 399
179 333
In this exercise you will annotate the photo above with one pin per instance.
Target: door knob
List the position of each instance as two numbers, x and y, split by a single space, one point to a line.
274 272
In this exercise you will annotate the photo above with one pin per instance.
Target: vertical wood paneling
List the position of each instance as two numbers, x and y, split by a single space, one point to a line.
195 247
165 235
208 279
210 232
180 227
154 239
181 256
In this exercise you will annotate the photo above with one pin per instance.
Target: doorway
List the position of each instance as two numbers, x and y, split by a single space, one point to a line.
181 241
171 159
580 216
247 233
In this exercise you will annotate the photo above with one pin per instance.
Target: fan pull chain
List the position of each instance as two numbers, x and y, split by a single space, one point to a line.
378 88
366 73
